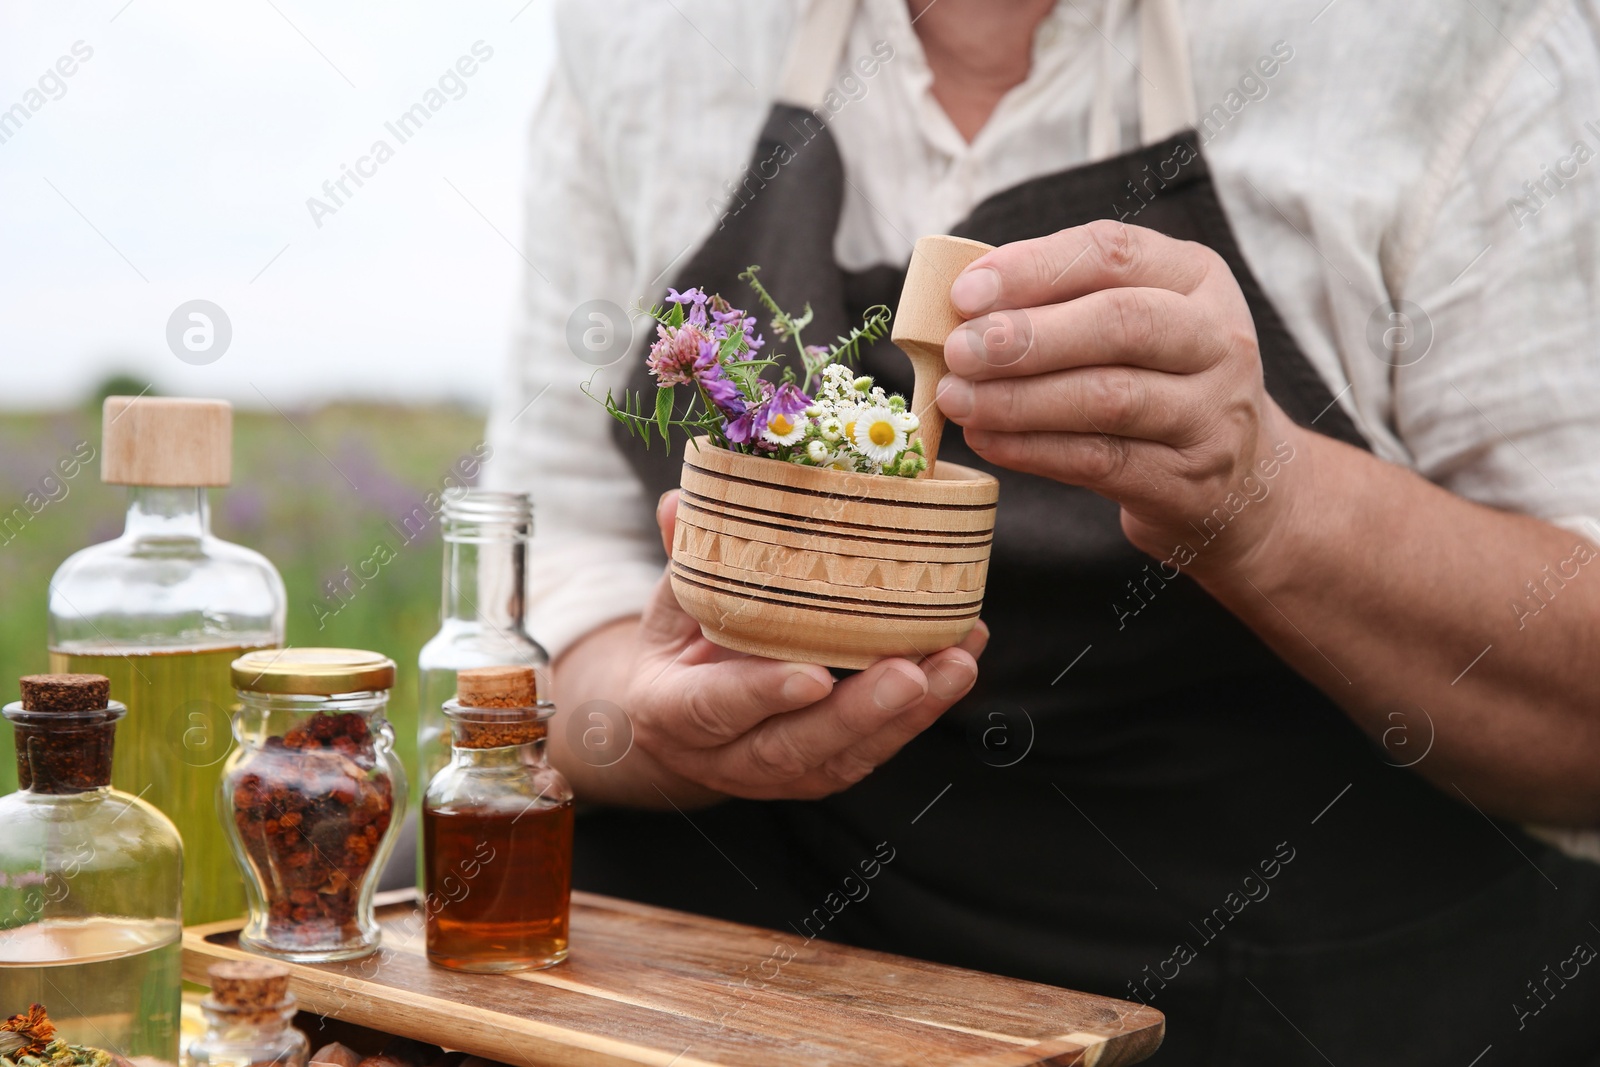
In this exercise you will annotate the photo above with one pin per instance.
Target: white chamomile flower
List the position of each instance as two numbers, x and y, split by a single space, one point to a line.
840 461
908 421
818 453
831 428
814 411
878 435
784 430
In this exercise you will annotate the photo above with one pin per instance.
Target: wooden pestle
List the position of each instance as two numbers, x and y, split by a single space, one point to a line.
923 321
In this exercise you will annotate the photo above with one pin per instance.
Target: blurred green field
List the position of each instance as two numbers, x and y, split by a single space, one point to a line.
314 490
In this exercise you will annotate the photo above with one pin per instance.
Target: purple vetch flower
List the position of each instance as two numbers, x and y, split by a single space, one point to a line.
751 427
788 400
722 392
696 299
747 427
729 321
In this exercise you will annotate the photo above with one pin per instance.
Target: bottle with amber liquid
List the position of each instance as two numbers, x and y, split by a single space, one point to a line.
163 611
497 832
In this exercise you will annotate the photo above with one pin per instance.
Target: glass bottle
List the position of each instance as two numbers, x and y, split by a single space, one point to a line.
312 797
497 832
162 611
480 608
248 1018
90 880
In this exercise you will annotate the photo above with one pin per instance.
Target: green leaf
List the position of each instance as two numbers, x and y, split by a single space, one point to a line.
664 410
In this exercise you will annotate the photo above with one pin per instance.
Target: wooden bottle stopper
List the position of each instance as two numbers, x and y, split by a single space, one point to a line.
250 990
65 692
924 319
166 441
497 687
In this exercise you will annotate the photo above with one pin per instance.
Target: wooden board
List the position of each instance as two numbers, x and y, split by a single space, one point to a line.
646 985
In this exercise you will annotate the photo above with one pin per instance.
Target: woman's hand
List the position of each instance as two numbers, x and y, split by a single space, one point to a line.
1112 357
752 727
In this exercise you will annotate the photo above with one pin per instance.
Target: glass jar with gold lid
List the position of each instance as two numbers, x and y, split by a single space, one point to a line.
313 797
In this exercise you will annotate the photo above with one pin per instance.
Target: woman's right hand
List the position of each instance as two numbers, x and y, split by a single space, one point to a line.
747 726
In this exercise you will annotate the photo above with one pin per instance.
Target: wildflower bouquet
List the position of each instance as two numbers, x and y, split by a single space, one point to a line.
831 418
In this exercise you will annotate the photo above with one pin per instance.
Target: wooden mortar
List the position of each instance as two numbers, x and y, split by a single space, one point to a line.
823 566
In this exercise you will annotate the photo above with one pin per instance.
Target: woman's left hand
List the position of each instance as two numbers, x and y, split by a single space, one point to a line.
1113 357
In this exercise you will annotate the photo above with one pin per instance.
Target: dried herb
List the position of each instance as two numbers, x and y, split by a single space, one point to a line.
311 808
64 733
27 1034
28 1040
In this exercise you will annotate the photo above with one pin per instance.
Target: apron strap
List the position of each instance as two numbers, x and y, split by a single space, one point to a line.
1168 106
1166 81
818 42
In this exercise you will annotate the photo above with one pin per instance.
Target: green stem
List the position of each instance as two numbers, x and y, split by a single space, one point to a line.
717 436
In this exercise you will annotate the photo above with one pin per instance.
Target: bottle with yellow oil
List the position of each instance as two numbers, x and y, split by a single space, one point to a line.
162 611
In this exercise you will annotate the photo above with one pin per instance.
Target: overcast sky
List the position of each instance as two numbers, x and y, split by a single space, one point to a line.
175 163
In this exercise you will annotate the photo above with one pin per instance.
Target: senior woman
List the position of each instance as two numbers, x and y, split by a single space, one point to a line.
1286 364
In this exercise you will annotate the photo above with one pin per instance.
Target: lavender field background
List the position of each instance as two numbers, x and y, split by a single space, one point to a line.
314 490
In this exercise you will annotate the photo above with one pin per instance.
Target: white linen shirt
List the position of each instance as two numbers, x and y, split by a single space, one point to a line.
1388 158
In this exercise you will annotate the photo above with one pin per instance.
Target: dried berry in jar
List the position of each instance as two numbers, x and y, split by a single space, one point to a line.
311 807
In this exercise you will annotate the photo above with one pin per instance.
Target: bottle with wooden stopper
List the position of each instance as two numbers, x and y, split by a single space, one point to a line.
162 611
249 1016
90 880
497 832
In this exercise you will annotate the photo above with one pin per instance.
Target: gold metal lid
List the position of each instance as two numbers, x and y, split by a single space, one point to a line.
166 441
312 671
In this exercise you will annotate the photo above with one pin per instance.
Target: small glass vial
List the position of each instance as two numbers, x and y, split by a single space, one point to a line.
313 797
248 1016
497 832
91 880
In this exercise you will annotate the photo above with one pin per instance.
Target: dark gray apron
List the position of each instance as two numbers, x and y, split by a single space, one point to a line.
1102 811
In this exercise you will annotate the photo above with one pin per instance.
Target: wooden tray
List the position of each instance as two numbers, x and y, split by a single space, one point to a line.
646 985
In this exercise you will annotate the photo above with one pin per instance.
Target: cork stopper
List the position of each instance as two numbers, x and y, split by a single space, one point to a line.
496 707
250 987
65 692
166 441
497 687
65 727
